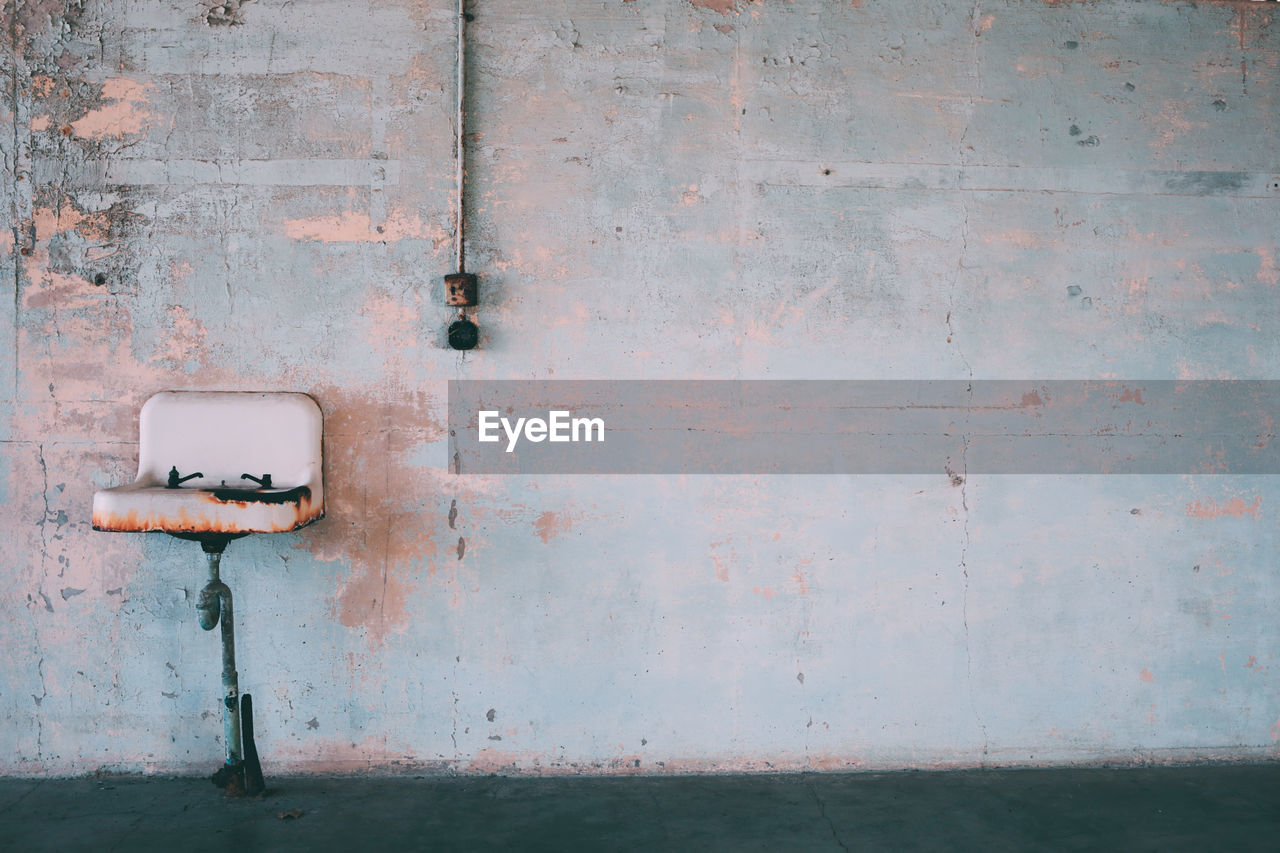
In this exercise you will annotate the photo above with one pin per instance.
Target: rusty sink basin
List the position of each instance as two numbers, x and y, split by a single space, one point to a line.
220 435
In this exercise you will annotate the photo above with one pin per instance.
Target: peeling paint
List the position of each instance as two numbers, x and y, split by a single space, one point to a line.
724 7
127 112
356 227
1231 508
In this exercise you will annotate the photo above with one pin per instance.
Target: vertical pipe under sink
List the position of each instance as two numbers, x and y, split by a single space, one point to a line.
214 606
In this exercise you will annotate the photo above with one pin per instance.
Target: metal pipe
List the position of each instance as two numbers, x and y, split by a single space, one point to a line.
254 785
214 606
459 155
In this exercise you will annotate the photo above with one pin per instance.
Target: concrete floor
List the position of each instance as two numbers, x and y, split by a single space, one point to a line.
1227 808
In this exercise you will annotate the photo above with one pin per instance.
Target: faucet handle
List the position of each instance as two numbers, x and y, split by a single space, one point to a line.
175 480
263 483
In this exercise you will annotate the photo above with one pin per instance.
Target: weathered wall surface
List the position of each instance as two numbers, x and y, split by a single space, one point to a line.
258 197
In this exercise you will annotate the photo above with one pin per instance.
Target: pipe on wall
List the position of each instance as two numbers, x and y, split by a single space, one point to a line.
214 607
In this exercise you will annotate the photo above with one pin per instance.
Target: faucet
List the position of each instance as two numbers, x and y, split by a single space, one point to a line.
264 483
175 480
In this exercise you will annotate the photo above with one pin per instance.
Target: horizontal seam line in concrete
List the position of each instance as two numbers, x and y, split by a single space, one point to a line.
1041 191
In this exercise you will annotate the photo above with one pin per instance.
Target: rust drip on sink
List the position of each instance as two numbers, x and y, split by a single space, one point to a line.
184 521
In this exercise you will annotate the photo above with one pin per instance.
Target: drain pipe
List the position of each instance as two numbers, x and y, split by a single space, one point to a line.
214 606
241 772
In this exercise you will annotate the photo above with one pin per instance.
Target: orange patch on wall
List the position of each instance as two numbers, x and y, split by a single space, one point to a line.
375 521
393 324
802 583
1236 508
722 565
186 339
551 525
373 600
357 227
724 7
65 217
1020 237
489 760
1131 395
338 755
722 569
51 289
1268 272
125 114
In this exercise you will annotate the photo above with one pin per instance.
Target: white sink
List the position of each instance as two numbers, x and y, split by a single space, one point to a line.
221 435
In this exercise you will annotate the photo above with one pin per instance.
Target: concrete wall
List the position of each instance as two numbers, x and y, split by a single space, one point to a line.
259 198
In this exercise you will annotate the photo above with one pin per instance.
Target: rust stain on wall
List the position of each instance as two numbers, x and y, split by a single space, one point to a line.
1234 508
374 497
550 525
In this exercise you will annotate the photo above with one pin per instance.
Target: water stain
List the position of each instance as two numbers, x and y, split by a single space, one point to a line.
373 498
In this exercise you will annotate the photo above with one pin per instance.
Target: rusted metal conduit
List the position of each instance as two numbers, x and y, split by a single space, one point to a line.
460 153
461 287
